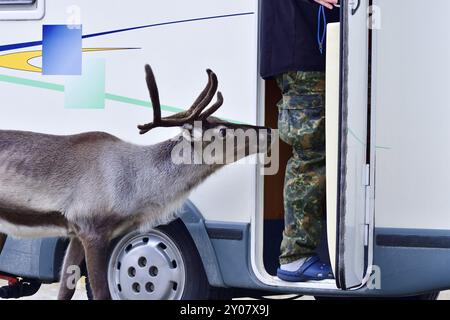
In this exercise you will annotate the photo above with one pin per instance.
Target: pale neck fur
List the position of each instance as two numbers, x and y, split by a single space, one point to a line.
162 181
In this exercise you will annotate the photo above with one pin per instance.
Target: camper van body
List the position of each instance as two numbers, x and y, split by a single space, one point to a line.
388 229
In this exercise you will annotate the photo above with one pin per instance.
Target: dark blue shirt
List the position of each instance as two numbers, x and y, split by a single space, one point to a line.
289 36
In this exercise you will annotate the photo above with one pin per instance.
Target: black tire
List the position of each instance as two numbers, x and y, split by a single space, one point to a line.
198 287
426 296
22 288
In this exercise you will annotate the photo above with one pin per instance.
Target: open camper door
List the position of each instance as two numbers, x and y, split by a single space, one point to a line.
353 168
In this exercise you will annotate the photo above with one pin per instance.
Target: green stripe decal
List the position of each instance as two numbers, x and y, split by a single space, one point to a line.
363 143
117 98
108 96
60 88
32 83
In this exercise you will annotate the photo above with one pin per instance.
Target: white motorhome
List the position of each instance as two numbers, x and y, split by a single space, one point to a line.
388 223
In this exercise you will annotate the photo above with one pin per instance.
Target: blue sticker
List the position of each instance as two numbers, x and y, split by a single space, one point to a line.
62 50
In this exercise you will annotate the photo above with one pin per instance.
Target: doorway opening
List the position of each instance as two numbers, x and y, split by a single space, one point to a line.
272 202
267 229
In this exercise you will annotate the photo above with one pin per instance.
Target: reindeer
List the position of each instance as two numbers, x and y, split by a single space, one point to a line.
93 187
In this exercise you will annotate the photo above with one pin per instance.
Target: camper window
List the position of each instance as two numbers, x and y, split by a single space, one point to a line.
17 2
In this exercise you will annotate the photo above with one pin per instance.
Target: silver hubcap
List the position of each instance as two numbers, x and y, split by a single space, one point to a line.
146 266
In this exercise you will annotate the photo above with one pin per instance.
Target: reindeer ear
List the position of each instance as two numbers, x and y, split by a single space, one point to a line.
186 131
191 133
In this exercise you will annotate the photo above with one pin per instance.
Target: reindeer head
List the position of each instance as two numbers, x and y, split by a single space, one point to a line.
227 141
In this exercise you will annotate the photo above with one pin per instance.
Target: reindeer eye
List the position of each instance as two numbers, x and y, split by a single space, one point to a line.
223 132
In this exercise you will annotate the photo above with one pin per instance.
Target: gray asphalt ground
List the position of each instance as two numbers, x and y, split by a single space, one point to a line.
49 292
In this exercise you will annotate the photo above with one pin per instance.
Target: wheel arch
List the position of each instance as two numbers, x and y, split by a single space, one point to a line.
194 222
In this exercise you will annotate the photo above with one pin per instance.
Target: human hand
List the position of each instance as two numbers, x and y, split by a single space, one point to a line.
328 3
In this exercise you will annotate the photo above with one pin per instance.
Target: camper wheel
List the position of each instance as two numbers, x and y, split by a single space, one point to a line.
162 264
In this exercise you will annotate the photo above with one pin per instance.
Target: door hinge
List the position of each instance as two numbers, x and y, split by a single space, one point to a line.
366 175
366 235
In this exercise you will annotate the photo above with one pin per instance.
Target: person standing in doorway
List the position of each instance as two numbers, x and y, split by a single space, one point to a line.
293 53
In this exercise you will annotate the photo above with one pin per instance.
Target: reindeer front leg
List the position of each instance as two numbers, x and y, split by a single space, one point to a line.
74 258
96 252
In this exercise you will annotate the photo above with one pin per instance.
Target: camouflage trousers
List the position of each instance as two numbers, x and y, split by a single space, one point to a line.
301 124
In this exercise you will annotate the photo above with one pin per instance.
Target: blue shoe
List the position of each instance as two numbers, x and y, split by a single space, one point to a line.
312 269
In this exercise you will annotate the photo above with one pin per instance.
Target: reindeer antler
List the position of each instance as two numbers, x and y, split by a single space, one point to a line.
195 112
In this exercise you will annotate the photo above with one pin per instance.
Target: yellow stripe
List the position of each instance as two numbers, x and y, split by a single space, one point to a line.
21 60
